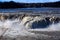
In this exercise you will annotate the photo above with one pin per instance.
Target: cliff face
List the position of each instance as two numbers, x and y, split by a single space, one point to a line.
12 4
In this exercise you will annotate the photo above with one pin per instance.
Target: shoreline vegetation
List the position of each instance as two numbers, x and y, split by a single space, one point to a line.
13 4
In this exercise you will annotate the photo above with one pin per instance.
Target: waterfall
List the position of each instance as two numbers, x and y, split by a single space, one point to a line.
14 27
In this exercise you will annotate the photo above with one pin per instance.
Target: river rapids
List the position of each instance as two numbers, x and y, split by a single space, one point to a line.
16 27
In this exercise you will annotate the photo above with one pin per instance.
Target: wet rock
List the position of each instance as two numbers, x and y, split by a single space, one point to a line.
12 16
15 16
22 16
47 18
57 20
54 19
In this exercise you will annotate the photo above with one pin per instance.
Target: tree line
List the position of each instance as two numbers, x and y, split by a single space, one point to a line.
13 4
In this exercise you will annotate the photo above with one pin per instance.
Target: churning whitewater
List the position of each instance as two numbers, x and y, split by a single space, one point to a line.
41 24
15 27
12 28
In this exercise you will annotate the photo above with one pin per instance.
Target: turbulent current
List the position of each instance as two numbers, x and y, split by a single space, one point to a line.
30 24
15 27
41 24
12 28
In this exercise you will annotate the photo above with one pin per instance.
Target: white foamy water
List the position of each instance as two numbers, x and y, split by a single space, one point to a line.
13 28
30 20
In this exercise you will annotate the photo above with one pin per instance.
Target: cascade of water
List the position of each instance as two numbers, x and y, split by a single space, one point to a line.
13 28
52 25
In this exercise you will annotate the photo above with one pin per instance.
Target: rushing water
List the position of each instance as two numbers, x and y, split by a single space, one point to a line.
15 27
37 23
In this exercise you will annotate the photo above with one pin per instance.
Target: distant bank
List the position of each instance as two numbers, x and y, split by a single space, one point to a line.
13 4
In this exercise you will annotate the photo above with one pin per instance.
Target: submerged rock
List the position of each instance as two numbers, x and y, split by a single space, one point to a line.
40 22
27 19
37 22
